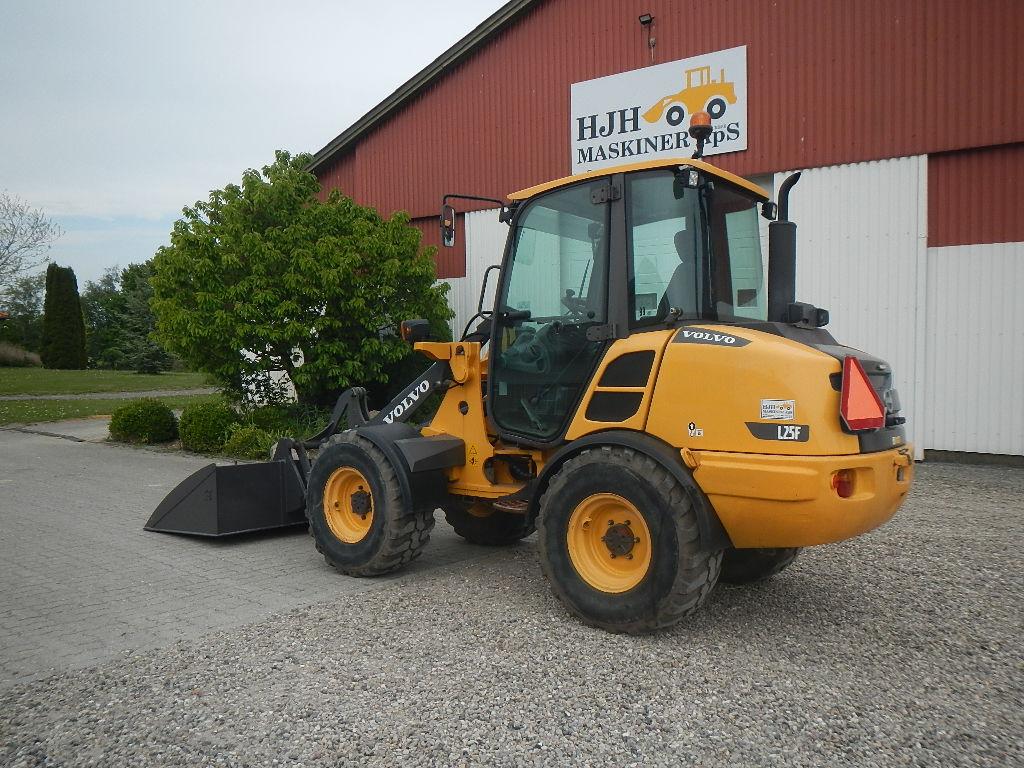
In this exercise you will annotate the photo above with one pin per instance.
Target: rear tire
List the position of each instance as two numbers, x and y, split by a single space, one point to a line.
615 501
746 566
480 523
359 517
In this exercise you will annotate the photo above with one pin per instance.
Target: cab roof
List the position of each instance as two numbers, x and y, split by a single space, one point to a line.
666 162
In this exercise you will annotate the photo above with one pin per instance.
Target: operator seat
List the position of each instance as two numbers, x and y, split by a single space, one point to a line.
681 292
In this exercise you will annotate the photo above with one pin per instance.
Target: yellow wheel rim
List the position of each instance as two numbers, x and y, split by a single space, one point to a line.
480 509
348 504
609 543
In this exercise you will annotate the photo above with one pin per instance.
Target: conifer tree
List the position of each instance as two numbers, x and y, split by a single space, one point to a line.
63 343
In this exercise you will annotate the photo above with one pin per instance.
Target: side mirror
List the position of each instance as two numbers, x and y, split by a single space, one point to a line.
415 330
447 226
769 210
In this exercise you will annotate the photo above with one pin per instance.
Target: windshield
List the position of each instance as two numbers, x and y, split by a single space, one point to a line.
555 290
695 256
554 274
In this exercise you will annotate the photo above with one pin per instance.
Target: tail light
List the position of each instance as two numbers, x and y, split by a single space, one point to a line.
859 404
842 483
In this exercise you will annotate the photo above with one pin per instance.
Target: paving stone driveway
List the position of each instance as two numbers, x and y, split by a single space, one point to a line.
81 581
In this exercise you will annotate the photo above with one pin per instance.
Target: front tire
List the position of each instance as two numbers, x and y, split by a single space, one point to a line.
359 517
746 566
619 542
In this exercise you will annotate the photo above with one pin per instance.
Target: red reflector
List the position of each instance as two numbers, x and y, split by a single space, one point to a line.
859 404
842 482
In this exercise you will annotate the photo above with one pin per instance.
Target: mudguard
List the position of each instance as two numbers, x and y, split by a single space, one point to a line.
713 535
420 460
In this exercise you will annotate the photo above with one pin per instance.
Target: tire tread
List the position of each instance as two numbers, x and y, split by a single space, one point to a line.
410 528
698 571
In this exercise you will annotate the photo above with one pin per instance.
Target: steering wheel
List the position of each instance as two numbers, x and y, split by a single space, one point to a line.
577 307
530 352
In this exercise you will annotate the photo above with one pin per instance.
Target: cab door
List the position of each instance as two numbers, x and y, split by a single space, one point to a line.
550 309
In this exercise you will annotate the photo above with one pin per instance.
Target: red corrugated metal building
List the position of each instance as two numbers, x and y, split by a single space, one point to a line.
830 82
855 88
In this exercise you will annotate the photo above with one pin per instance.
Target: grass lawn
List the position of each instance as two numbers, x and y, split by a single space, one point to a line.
40 381
29 411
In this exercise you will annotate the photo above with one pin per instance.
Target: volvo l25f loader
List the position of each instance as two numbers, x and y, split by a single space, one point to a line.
634 395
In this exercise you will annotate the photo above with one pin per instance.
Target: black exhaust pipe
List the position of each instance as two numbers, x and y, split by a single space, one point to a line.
782 257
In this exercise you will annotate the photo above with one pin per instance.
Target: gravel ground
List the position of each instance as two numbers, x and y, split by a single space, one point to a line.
902 647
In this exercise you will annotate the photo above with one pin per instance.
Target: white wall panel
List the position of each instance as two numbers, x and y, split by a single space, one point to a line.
975 350
485 245
861 255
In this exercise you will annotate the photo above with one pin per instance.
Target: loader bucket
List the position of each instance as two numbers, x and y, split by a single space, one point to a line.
222 501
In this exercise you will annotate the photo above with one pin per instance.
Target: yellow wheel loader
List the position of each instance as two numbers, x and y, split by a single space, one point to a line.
634 395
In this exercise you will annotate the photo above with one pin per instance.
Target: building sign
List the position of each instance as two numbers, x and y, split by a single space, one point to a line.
644 114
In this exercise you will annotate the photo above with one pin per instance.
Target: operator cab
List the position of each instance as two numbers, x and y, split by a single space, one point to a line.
594 258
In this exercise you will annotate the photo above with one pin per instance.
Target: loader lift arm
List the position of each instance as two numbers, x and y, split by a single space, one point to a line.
351 405
227 500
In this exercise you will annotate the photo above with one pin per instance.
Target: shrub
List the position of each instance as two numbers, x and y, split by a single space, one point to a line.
144 421
295 420
13 356
205 426
247 441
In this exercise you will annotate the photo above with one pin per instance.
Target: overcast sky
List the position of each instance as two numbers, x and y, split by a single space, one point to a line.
115 115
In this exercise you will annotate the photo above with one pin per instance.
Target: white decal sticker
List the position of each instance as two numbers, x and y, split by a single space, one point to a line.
407 402
694 430
692 335
778 410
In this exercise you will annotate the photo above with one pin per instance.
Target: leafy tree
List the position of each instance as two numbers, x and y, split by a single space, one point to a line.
144 354
24 304
63 344
264 274
26 234
103 307
120 322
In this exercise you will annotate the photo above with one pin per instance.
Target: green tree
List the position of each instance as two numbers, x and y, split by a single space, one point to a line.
24 304
145 355
264 273
120 321
63 343
103 307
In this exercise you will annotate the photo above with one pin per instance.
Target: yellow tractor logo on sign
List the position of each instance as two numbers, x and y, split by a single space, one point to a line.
702 92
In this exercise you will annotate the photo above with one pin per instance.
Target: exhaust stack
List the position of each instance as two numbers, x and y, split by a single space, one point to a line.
782 257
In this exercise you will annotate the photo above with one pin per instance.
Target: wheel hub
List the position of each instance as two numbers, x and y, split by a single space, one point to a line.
619 539
361 503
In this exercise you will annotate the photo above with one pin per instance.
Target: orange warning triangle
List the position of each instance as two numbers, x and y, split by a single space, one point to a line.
859 404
